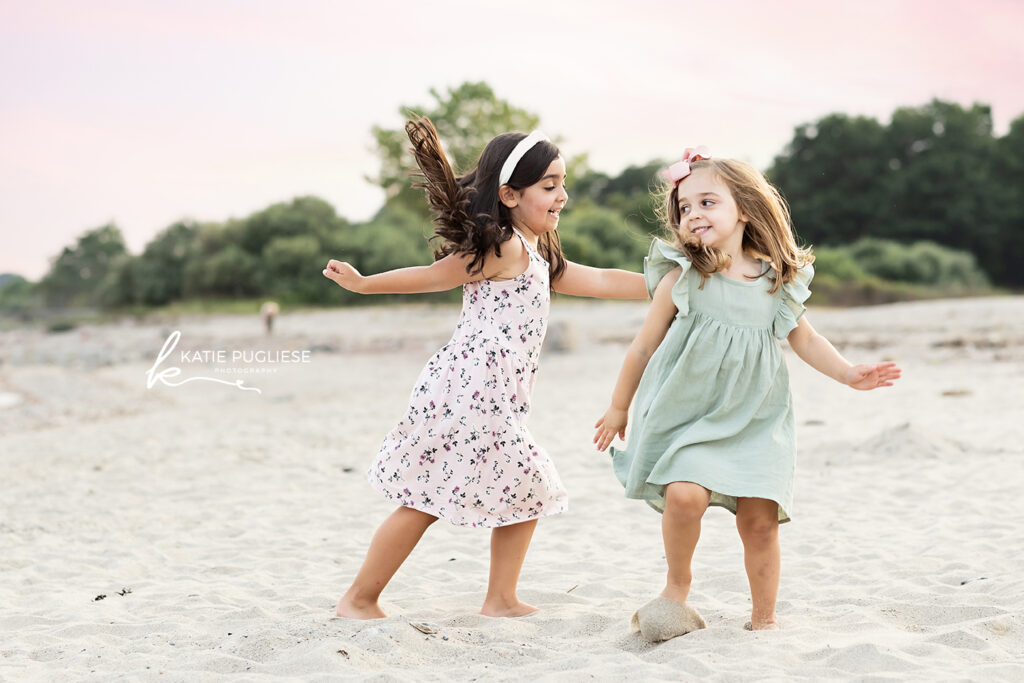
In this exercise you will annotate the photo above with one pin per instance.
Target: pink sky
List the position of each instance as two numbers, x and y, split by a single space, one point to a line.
147 112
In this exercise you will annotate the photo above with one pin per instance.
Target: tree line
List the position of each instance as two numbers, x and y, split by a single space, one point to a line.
930 199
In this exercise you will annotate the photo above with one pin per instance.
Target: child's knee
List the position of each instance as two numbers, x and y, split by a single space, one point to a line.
759 529
418 516
686 500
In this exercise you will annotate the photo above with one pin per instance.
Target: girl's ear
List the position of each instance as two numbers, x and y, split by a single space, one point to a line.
740 213
508 196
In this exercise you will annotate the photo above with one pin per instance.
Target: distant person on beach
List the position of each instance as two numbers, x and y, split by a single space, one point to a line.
713 416
269 311
463 452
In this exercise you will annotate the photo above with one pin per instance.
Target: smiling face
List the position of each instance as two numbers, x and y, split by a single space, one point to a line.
535 209
708 212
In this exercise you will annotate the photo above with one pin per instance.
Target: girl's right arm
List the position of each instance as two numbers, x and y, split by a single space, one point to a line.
446 273
659 318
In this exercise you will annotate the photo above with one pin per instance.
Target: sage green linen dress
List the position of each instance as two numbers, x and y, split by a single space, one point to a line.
713 406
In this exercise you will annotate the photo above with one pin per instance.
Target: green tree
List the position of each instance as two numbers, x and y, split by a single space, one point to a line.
160 273
633 181
393 239
602 237
921 263
76 274
943 155
309 215
291 269
18 296
232 272
1005 259
833 173
935 172
210 239
8 278
635 193
119 286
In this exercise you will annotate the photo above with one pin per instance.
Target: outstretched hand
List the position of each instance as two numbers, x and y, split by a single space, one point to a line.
343 274
868 376
613 422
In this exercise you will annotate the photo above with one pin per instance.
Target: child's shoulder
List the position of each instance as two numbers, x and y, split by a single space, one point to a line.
507 259
661 250
798 277
664 259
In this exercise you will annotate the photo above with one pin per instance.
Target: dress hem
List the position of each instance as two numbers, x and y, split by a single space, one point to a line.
429 510
784 512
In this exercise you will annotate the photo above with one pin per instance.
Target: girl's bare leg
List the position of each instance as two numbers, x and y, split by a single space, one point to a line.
757 520
508 550
392 543
685 504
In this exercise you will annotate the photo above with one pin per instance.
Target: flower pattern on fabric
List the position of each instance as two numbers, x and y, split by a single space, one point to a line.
463 451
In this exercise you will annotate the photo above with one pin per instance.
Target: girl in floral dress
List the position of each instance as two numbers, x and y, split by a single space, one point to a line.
463 452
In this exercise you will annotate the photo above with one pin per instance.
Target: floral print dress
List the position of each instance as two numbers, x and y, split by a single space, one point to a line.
463 451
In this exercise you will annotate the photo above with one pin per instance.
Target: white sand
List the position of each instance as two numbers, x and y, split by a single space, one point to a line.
236 519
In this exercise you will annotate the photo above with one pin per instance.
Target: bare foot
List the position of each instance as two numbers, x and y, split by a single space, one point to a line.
766 625
350 610
502 609
676 593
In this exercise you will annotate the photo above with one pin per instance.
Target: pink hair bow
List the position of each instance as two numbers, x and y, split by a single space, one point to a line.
681 169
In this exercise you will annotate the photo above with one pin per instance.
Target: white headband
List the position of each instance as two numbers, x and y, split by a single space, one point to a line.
524 146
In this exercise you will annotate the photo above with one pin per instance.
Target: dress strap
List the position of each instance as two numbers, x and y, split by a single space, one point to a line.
533 253
525 242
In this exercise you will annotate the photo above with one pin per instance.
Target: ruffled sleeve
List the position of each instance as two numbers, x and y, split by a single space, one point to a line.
663 259
791 304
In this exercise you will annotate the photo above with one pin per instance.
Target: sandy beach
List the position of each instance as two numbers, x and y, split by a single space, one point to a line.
192 532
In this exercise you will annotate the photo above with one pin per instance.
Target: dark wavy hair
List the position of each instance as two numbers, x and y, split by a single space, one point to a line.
468 215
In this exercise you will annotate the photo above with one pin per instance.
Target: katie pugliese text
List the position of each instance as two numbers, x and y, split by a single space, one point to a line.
245 356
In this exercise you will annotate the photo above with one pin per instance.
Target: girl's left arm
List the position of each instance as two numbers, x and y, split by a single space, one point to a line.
817 352
600 283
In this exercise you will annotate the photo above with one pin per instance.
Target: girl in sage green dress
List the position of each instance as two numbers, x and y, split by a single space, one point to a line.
713 417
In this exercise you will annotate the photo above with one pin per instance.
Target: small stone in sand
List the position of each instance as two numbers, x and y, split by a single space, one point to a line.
664 619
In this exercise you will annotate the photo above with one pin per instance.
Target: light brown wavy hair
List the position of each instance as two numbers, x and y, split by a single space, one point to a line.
768 235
